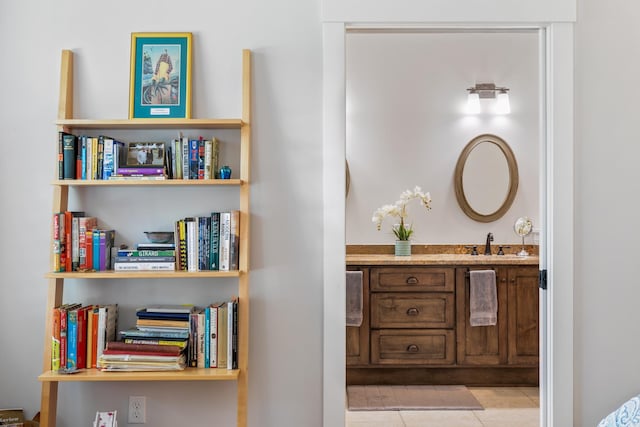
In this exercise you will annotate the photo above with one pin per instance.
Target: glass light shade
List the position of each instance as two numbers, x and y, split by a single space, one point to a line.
473 103
502 103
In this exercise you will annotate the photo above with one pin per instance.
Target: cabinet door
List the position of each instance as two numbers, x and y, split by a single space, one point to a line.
523 303
480 345
357 346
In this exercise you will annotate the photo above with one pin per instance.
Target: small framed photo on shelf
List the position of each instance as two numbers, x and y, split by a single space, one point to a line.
145 154
160 85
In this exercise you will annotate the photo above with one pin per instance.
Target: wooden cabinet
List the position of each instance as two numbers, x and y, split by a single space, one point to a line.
416 321
50 379
523 304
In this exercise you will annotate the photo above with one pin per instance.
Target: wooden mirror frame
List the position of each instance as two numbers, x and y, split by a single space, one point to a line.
513 178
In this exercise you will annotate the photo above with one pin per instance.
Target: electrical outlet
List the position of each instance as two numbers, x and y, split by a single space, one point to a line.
137 410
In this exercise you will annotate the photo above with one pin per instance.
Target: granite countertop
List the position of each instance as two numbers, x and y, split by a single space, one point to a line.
440 259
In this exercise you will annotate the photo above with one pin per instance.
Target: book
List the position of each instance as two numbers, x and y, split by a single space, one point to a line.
145 259
55 339
81 340
224 246
207 332
155 246
191 243
143 313
232 334
69 238
69 155
55 229
201 161
164 341
170 308
72 338
144 266
213 336
185 157
194 158
204 245
155 333
208 151
234 241
146 253
89 335
222 335
84 223
60 155
107 327
100 160
214 242
127 170
182 244
95 312
95 248
162 322
120 346
89 249
200 331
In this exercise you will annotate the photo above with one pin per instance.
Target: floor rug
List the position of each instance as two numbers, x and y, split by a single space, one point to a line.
410 397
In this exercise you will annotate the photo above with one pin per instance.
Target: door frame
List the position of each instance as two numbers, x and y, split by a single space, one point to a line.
556 239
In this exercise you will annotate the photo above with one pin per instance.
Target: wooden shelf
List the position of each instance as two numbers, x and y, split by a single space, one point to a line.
139 182
140 274
189 374
152 123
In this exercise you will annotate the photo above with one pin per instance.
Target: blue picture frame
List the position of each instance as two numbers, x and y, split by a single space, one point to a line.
160 85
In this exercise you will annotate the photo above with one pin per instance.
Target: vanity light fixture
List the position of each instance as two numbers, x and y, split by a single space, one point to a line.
488 91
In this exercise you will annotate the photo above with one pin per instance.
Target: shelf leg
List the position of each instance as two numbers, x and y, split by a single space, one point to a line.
48 405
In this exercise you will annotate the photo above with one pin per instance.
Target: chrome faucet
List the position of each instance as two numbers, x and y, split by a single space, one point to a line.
487 246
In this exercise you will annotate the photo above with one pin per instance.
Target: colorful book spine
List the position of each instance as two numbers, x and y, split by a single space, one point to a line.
56 241
81 340
100 161
208 151
214 242
182 244
201 158
225 241
234 241
213 336
55 339
207 331
84 224
132 171
69 154
200 339
145 253
95 313
145 259
82 146
89 250
96 249
192 243
72 339
194 157
222 335
60 155
185 158
107 163
63 336
145 266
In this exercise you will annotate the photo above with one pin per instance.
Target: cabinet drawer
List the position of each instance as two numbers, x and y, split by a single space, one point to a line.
412 279
413 347
412 310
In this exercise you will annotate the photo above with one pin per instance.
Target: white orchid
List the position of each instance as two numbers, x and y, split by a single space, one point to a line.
399 210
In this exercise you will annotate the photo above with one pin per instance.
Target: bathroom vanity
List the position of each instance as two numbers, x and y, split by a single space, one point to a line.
416 327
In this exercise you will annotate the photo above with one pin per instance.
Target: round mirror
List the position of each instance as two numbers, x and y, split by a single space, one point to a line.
522 228
486 178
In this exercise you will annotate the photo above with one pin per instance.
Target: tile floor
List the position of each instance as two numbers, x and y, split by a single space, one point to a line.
503 407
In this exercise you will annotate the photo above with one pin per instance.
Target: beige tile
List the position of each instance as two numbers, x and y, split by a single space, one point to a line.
440 419
502 397
374 419
529 417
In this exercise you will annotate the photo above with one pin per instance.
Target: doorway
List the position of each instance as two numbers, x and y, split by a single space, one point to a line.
557 119
407 125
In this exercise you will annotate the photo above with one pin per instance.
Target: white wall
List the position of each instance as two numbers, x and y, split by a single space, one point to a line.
286 284
607 289
406 126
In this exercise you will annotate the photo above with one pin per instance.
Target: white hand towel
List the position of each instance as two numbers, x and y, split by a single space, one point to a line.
483 298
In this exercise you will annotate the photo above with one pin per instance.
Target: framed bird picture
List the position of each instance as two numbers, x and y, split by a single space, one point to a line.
160 85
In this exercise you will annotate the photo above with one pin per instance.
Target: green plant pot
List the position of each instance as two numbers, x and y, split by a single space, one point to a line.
403 247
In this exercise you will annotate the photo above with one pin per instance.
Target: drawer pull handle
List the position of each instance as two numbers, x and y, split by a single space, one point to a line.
412 280
413 348
413 311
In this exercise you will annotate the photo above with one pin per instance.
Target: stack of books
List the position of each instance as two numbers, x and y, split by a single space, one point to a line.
120 356
161 333
146 257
